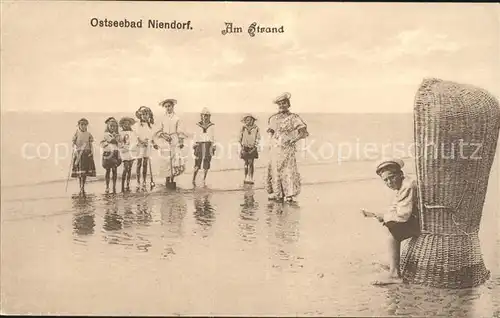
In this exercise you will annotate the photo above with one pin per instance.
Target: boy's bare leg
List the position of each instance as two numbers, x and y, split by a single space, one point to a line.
394 252
205 172
195 173
83 182
129 174
394 275
246 169
250 169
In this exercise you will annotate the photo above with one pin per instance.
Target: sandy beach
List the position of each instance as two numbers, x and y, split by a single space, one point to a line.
219 250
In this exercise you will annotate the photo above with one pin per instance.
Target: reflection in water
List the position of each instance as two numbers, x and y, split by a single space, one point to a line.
203 210
128 214
173 209
122 229
144 217
248 219
84 216
283 223
284 219
144 212
112 220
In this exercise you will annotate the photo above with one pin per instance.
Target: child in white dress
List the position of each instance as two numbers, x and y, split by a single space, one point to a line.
145 139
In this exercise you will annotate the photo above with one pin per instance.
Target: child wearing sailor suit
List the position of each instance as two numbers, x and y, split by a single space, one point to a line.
204 147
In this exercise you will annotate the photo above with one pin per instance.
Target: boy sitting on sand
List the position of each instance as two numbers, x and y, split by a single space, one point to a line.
402 217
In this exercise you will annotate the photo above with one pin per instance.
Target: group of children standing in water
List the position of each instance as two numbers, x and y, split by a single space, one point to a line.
136 138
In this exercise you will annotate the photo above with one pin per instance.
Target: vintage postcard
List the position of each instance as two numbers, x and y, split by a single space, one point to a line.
250 159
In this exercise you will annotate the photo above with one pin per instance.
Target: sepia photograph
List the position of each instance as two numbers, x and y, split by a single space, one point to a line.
250 159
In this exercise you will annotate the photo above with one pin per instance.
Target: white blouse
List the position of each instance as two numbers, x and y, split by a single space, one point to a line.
172 125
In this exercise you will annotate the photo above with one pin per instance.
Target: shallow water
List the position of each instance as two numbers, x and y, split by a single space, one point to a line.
221 253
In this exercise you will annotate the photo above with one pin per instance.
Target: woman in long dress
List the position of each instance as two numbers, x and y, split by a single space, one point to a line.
285 129
170 137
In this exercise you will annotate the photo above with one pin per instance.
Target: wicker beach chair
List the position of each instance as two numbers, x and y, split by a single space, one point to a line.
456 133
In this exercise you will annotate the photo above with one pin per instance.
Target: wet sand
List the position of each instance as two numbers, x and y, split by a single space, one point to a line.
218 252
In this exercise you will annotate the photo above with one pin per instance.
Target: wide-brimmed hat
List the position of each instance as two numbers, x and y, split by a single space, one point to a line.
171 101
141 110
110 119
127 119
387 163
282 97
205 111
83 120
248 115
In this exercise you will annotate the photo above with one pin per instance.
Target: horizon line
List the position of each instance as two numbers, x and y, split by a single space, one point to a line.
197 112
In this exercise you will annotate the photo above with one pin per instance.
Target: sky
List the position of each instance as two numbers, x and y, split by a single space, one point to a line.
332 57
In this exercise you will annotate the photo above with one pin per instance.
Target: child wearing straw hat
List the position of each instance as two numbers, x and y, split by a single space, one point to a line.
204 147
401 219
83 165
111 158
128 141
249 139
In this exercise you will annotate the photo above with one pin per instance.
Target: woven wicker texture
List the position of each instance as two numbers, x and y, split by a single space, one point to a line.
456 134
